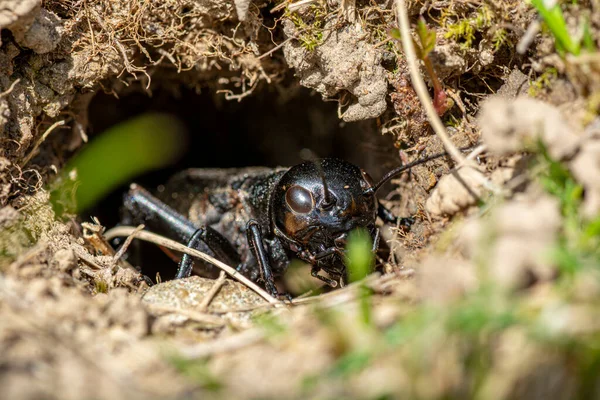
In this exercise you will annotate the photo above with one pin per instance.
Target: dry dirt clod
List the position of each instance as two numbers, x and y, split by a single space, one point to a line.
515 84
343 63
189 294
18 14
586 169
509 126
76 346
405 101
455 192
65 260
514 241
442 280
241 7
448 60
43 35
8 217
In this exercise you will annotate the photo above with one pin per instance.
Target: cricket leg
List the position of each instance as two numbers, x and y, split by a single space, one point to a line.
222 248
144 207
314 272
376 239
388 217
255 241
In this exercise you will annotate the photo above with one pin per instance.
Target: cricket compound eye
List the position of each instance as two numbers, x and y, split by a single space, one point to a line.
299 199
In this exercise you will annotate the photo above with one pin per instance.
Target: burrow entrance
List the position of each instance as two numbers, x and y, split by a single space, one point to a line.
268 129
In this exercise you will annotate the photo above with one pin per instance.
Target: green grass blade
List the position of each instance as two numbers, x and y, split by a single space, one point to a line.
556 23
360 260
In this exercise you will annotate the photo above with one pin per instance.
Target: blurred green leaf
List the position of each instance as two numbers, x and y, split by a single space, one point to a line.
141 144
479 314
351 363
359 254
566 260
271 324
558 181
360 260
578 246
411 326
588 39
592 230
197 371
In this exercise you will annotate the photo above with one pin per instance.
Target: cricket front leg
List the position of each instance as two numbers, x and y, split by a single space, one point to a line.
223 249
255 241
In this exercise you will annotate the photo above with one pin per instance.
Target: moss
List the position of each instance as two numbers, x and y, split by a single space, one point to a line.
463 31
101 286
542 82
310 27
499 39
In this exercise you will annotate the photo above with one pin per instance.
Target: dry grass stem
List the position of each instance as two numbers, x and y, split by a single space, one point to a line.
173 245
473 154
299 4
348 8
128 241
40 141
584 58
86 257
274 49
191 314
529 36
419 85
344 294
426 102
212 292
10 88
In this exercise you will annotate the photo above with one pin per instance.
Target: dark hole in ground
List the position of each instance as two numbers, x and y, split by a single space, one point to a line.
268 129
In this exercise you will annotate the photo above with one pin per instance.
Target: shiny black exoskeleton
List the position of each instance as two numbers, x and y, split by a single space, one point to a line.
313 208
257 218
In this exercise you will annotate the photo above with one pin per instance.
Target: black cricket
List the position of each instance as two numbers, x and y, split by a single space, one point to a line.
255 219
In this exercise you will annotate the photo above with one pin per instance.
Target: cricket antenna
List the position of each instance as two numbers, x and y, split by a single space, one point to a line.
401 169
327 199
309 155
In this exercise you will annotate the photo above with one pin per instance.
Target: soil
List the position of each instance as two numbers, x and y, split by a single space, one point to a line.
78 321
